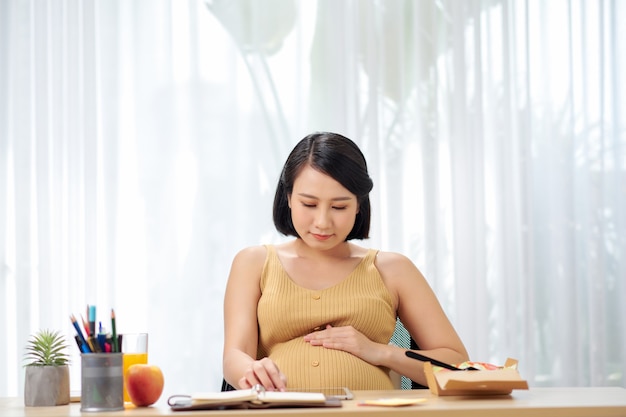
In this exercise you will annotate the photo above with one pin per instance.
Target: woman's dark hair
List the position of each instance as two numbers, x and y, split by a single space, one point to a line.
336 156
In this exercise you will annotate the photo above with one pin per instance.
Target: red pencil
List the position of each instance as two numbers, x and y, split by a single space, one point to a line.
85 326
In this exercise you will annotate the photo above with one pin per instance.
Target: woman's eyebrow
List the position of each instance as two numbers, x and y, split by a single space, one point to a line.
344 198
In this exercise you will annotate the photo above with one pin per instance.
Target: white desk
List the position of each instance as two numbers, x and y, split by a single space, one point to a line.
558 402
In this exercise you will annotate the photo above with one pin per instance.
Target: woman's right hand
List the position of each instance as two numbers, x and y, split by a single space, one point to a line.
266 373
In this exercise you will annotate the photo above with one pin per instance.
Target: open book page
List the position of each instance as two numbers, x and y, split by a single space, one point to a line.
289 397
259 396
252 398
226 396
340 393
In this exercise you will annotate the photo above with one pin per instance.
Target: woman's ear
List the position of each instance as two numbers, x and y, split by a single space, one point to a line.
289 201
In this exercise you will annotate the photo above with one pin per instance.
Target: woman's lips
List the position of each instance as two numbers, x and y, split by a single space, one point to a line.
321 237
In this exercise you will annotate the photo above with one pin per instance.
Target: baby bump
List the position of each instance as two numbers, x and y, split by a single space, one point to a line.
309 366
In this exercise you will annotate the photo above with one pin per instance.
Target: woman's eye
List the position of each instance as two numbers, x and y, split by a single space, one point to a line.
313 205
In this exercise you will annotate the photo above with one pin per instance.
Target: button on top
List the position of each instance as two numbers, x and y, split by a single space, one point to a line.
316 296
315 363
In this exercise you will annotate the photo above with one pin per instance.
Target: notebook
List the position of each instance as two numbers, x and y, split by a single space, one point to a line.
256 397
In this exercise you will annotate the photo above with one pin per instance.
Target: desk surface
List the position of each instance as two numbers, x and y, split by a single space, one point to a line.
570 402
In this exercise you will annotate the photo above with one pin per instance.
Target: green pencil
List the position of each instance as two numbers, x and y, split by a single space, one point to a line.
114 332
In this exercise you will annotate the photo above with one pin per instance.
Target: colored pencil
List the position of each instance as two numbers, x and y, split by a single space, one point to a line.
85 326
92 320
115 347
79 332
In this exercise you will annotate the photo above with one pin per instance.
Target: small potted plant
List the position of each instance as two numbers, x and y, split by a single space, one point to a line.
47 379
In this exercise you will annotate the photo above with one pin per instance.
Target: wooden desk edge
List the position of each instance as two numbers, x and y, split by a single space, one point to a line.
558 402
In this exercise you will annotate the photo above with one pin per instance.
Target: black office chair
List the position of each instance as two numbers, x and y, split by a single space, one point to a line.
400 338
226 386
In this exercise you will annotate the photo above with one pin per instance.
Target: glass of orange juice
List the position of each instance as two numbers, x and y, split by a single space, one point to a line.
135 350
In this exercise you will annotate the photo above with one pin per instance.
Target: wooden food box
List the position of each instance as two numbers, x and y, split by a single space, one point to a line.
484 382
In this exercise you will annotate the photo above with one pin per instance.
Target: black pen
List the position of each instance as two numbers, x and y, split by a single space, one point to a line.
435 362
83 347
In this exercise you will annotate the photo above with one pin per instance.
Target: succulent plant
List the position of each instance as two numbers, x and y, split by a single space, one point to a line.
46 348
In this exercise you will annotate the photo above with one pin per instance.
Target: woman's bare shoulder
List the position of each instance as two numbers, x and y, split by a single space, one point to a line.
251 256
394 263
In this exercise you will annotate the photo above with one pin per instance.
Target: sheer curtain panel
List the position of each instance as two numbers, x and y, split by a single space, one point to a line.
141 141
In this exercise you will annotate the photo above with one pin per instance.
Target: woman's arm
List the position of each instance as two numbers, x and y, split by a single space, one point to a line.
240 367
420 312
422 316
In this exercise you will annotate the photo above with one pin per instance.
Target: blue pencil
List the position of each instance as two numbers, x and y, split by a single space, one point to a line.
80 333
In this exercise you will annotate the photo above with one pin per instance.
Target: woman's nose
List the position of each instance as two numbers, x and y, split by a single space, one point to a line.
322 219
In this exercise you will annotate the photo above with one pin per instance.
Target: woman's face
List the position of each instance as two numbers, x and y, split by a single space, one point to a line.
323 211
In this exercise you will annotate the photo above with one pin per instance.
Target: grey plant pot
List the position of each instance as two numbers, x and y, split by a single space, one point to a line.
46 386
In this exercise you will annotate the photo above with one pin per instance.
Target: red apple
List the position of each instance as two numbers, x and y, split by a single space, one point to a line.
144 384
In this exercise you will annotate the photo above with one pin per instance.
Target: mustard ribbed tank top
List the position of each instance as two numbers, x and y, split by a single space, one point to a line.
287 312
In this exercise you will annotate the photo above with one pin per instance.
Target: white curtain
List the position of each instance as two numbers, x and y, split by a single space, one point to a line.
140 144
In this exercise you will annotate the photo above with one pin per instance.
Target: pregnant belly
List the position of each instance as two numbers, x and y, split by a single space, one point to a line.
309 367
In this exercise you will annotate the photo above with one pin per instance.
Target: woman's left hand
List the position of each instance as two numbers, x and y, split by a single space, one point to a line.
348 339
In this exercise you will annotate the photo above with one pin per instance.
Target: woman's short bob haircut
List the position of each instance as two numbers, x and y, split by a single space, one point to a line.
336 156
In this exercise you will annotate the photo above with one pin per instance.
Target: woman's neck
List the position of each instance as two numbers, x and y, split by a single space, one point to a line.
340 251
